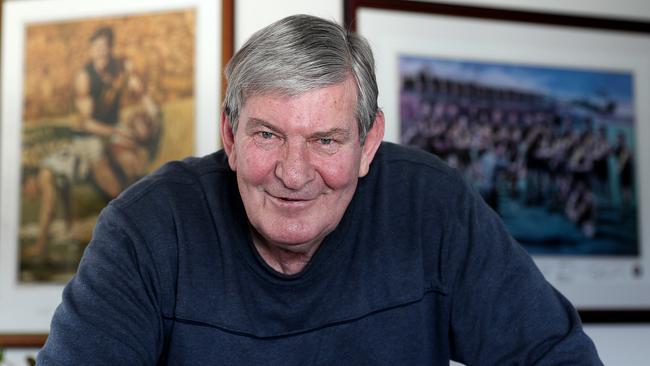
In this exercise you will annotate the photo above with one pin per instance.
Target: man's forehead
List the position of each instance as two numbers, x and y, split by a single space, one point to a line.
288 92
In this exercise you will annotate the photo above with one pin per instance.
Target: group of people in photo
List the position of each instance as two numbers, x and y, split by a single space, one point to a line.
531 147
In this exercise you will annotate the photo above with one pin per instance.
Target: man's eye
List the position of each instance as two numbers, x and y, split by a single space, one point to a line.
267 139
326 145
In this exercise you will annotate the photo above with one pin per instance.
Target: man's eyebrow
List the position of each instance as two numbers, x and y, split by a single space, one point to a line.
255 123
341 133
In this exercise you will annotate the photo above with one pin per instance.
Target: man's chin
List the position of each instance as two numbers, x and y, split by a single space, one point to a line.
288 238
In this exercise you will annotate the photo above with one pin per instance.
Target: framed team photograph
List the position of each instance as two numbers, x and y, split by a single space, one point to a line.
95 95
544 115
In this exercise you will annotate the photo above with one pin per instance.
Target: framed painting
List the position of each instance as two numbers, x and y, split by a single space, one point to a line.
95 95
544 114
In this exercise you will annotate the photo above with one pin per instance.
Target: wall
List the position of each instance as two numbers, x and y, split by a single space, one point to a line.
617 344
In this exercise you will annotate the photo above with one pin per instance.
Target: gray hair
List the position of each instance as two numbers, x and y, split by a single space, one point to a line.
298 54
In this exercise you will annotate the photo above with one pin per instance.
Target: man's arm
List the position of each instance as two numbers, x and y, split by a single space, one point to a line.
503 310
110 314
84 104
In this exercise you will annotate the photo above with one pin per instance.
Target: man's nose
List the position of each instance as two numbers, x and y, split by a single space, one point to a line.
294 168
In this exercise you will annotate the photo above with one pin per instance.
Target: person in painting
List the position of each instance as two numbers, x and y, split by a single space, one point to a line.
600 154
625 169
104 151
307 240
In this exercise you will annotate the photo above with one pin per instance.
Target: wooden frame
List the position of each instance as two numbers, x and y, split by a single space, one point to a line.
400 19
215 27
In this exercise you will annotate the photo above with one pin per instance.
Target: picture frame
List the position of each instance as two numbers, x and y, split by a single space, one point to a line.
605 288
27 307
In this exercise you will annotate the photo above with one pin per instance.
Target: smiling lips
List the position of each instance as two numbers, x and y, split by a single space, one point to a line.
289 201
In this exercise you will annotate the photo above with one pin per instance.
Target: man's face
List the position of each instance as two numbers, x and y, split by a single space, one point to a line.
100 53
297 161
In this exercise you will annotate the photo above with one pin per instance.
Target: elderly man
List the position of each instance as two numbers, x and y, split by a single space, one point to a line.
308 241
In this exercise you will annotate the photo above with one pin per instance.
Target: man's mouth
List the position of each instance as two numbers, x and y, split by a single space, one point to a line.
291 201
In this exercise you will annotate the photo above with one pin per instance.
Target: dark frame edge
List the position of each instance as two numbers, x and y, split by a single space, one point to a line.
636 316
523 16
25 340
227 39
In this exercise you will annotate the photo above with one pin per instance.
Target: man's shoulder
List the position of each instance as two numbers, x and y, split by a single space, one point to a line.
410 162
175 176
410 177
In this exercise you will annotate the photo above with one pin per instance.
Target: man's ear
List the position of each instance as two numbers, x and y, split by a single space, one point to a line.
371 145
228 140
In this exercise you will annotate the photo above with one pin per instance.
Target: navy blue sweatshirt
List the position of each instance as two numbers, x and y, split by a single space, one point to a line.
419 271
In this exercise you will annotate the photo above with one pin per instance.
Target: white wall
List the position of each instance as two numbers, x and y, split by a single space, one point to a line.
617 344
251 15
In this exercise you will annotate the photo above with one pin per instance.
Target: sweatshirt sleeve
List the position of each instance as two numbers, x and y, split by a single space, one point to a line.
503 310
110 313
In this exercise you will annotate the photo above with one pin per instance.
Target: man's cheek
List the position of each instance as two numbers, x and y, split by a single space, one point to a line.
258 167
337 174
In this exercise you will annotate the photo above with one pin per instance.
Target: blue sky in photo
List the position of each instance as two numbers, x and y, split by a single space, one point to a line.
563 83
